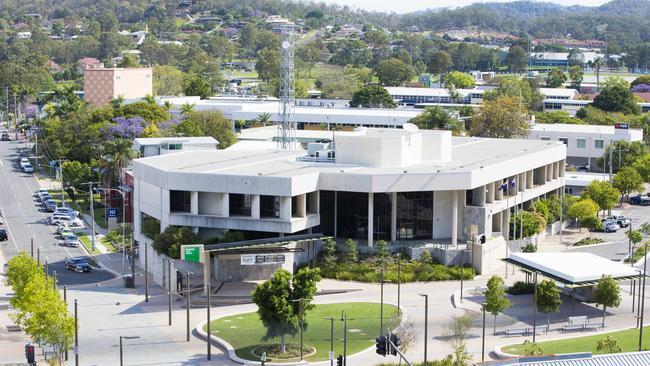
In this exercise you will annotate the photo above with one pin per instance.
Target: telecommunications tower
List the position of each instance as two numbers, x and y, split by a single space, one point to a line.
286 116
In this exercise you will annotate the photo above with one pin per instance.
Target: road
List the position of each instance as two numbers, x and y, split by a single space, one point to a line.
25 221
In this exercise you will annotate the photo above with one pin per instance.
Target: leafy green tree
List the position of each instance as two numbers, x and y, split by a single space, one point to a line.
268 64
516 59
167 80
642 165
383 251
495 299
561 117
504 117
436 118
576 58
628 180
459 80
393 72
187 108
350 253
532 349
548 299
372 96
150 112
197 86
129 61
644 79
597 64
635 236
616 98
623 153
533 223
213 123
169 241
603 194
77 173
309 54
525 89
117 155
576 74
277 309
555 78
583 209
328 254
609 345
438 63
607 294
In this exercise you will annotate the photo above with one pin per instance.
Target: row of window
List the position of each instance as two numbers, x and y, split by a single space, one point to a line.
581 143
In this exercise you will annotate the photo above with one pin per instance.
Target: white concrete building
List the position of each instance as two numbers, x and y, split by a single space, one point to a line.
153 146
585 143
474 96
575 182
418 186
572 106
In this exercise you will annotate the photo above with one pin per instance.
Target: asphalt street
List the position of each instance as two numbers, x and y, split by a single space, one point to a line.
25 221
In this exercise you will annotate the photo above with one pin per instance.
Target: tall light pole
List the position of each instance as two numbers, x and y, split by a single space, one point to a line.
209 330
426 325
169 287
344 319
188 302
645 262
483 305
302 327
76 334
121 352
399 281
331 355
535 308
381 306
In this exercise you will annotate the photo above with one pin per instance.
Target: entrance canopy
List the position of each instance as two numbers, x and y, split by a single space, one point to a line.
262 245
572 269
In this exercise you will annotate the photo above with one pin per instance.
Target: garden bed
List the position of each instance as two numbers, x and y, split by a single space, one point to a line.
588 241
411 271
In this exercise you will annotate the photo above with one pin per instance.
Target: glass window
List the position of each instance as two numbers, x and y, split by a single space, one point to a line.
352 215
179 201
564 140
414 215
381 216
240 204
175 147
545 138
581 143
599 144
269 207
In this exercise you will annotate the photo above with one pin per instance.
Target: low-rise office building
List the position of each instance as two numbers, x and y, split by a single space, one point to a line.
397 185
585 143
103 84
153 146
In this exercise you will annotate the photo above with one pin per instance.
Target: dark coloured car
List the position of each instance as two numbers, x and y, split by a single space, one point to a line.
50 205
5 137
77 264
3 235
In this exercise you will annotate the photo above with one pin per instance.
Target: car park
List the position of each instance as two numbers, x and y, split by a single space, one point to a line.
27 168
621 220
3 235
71 241
77 264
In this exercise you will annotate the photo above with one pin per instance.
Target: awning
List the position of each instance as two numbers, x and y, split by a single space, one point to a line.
278 244
573 269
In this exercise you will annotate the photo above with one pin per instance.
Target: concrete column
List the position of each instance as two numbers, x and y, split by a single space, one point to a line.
498 193
285 208
454 220
497 221
549 172
529 179
255 206
479 196
371 215
490 193
562 167
314 203
556 170
505 226
224 205
194 203
393 216
522 182
164 209
301 205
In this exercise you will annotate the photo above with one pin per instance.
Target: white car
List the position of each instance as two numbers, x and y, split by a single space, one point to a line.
27 168
67 211
65 220
71 241
24 161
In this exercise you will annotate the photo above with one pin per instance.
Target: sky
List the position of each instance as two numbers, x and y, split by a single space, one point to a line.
415 5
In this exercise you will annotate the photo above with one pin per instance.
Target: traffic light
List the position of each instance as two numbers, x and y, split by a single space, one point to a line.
30 355
380 344
394 339
339 361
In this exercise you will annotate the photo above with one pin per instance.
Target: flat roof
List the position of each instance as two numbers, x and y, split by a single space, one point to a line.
268 133
574 128
263 244
582 179
572 268
146 141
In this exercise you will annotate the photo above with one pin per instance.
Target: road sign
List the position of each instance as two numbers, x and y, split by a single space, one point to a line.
111 212
192 253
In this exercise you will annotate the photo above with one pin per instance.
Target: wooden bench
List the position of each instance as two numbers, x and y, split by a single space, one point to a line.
520 331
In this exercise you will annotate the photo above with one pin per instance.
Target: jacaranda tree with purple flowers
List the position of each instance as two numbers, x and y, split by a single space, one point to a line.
641 88
127 128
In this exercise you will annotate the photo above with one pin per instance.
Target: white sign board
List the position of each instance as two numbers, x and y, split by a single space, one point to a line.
261 259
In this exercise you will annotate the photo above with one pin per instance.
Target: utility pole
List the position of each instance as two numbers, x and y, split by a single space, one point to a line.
209 335
76 335
61 178
92 210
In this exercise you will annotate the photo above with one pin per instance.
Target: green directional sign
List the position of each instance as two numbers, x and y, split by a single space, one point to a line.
192 253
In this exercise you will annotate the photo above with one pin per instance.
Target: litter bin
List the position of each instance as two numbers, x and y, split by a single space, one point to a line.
128 281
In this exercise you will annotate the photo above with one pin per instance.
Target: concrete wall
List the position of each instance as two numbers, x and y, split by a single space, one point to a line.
149 195
442 207
487 257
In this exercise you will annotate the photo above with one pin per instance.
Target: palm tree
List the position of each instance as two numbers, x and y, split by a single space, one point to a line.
187 108
149 99
167 105
117 103
117 156
597 63
264 118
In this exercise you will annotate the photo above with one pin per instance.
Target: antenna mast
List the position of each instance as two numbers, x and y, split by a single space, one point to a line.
286 114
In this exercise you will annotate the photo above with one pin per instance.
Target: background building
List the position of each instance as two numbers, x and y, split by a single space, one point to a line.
101 85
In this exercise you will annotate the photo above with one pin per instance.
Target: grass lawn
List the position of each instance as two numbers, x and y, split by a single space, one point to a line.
85 240
628 339
244 332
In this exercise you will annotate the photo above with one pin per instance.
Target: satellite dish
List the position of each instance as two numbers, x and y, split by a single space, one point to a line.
410 128
286 45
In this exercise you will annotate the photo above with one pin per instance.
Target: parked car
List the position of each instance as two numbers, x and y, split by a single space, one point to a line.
3 235
640 200
24 161
60 228
71 241
27 168
50 205
5 136
610 226
77 264
66 211
621 220
66 232
64 219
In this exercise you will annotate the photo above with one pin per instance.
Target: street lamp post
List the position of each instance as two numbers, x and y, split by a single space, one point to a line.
301 326
381 306
344 319
209 336
462 273
76 335
483 305
535 308
426 325
169 287
331 355
188 302
399 281
121 352
645 262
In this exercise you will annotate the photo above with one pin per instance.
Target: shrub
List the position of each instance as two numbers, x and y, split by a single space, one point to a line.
521 288
529 248
588 241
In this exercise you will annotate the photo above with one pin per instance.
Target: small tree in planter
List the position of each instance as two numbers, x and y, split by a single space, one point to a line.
548 299
495 299
351 254
607 294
